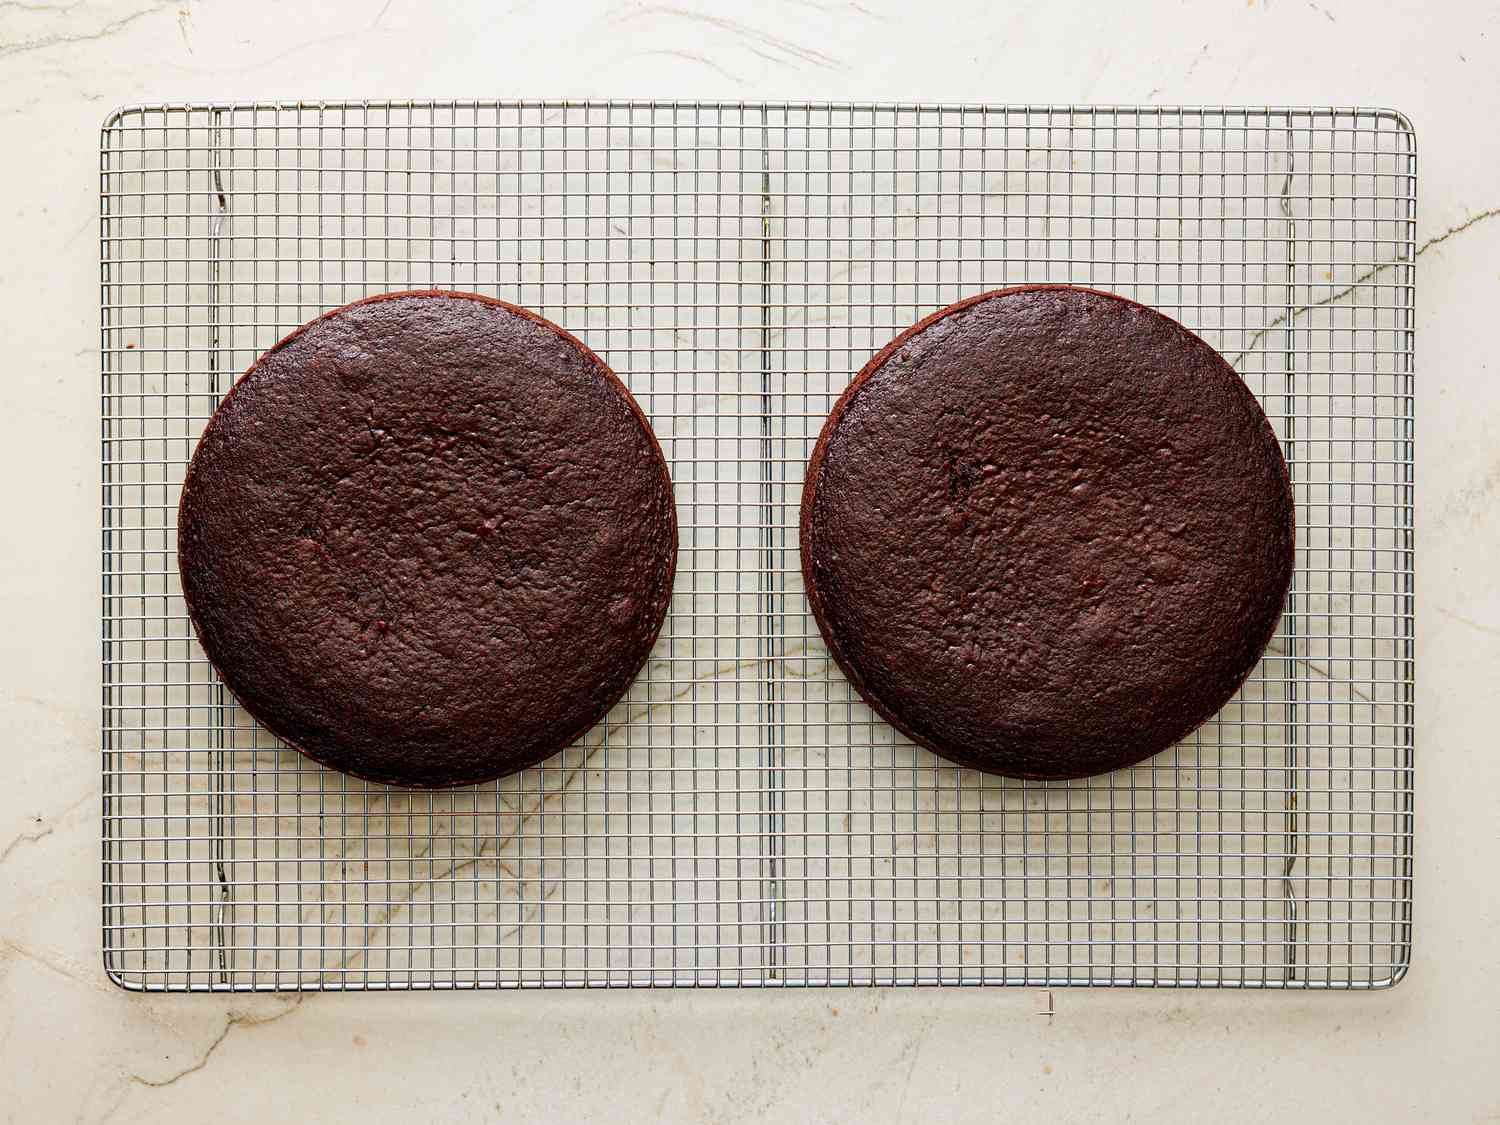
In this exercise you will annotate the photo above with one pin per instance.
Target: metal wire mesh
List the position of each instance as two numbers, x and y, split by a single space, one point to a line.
741 818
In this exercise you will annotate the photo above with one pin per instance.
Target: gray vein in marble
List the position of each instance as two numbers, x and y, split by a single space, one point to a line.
27 838
108 1114
1477 626
1275 649
18 5
308 45
633 714
1490 213
397 905
1239 71
111 28
754 39
1472 500
236 1019
1435 240
19 109
839 6
41 833
39 702
1198 58
548 894
10 948
911 1066
690 56
87 976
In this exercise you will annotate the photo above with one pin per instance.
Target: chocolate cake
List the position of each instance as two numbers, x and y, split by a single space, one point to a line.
428 539
1047 532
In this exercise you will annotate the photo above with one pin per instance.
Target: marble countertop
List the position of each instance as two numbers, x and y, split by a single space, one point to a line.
73 1047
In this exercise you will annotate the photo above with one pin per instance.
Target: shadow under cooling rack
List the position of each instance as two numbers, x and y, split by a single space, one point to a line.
741 818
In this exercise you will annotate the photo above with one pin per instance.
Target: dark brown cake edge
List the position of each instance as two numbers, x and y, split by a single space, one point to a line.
815 468
599 364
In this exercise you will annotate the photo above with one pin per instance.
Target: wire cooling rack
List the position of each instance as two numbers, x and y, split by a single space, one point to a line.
741 818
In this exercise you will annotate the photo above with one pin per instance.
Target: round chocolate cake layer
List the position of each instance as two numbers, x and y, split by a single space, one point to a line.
428 539
1047 532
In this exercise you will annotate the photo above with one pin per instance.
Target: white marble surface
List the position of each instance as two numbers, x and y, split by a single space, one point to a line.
74 1047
